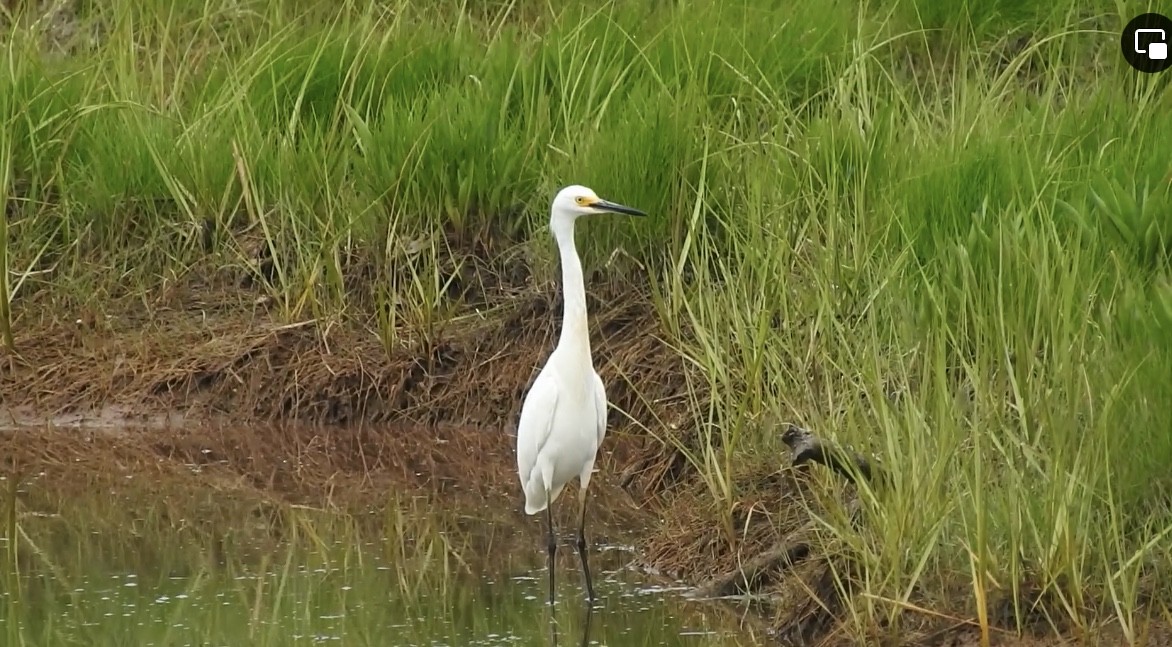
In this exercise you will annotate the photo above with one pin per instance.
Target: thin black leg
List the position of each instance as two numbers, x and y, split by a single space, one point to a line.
552 547
582 547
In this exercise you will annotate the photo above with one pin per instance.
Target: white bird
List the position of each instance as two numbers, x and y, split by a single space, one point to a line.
563 418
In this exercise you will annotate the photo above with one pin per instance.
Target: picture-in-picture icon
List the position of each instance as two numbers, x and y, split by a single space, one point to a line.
1144 43
1155 48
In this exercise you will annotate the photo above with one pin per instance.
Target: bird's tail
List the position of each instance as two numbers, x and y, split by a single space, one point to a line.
532 506
535 495
535 499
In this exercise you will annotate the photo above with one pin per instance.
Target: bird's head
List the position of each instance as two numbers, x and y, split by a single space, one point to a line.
575 200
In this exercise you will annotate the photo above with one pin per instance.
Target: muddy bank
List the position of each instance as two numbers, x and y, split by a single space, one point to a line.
212 377
213 393
213 390
343 399
319 412
224 354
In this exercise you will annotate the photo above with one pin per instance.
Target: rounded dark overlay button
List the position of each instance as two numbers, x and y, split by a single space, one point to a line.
1146 42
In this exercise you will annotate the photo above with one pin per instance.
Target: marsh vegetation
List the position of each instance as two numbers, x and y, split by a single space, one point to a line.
159 567
935 232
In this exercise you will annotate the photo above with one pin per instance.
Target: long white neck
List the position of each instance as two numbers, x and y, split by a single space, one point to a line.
575 335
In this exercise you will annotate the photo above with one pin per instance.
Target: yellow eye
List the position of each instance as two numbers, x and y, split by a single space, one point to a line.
580 200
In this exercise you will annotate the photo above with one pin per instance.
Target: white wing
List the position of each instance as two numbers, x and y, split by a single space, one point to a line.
600 406
536 422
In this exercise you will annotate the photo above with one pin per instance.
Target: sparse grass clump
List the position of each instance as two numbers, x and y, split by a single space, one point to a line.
938 231
164 566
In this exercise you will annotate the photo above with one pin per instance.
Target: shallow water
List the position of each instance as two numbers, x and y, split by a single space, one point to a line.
294 603
416 585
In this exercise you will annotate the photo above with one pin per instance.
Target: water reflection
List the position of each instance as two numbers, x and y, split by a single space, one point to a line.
588 613
72 586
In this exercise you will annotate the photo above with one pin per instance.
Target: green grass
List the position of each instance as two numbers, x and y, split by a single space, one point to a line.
936 230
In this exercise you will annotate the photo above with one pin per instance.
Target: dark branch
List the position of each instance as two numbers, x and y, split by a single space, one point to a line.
796 546
760 570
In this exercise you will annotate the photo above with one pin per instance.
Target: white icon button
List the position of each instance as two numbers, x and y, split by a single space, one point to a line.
1157 50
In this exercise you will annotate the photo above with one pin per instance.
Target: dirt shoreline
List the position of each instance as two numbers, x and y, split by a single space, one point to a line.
213 355
322 415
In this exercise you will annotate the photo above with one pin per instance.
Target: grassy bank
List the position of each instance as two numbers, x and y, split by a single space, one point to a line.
938 234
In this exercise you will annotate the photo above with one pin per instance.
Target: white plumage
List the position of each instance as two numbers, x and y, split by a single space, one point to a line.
563 418
574 401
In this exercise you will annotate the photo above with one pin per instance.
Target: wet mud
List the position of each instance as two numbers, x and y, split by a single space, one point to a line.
213 392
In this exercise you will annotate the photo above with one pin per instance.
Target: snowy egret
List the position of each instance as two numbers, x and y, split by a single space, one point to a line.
563 418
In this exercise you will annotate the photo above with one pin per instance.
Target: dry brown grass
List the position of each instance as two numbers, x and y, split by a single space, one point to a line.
208 389
216 407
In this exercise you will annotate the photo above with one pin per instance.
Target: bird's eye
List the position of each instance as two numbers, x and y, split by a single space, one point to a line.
580 200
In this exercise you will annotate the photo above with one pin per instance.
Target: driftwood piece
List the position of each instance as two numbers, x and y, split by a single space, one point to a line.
788 552
794 547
